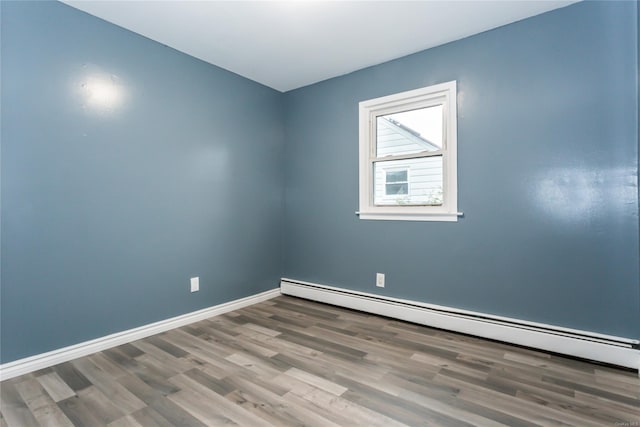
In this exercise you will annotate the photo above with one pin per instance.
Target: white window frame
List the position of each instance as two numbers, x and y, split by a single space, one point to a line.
443 93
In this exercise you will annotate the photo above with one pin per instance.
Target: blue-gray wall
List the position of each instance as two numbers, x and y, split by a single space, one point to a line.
107 212
548 156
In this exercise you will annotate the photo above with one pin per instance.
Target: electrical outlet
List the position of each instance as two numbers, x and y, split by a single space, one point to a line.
195 284
380 280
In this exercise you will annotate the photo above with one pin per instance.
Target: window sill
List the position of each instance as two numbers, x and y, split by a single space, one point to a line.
445 217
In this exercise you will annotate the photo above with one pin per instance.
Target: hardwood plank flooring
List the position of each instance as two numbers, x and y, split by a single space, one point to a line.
292 362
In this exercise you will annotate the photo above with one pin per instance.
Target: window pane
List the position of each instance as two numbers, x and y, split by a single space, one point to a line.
397 176
395 189
424 185
409 132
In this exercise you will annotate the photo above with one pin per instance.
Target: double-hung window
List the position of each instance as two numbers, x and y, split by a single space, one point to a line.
408 166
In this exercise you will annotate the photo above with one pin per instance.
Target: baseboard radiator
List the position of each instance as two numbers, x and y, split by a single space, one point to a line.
588 345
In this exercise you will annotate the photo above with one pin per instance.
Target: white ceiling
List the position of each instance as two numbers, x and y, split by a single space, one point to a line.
290 44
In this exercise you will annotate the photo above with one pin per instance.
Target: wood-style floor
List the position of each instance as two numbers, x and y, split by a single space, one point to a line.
291 362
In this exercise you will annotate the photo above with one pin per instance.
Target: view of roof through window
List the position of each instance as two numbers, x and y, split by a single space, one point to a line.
423 122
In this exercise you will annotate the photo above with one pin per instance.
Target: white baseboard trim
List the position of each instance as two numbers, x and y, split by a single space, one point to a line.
50 358
588 345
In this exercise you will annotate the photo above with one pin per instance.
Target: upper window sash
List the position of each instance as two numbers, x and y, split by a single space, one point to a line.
390 108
